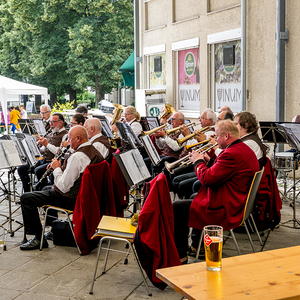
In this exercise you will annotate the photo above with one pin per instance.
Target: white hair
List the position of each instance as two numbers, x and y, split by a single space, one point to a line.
210 114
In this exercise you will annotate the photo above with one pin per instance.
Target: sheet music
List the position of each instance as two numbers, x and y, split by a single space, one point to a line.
32 145
151 150
39 126
30 156
135 166
9 156
19 148
295 128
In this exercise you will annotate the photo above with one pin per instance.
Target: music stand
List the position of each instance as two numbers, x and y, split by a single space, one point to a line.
151 150
105 130
135 172
127 135
291 134
27 126
149 123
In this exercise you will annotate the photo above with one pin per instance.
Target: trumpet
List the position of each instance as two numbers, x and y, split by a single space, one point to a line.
194 145
176 129
169 110
186 138
153 130
185 160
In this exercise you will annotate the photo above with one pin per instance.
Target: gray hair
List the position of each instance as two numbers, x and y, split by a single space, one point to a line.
47 106
210 114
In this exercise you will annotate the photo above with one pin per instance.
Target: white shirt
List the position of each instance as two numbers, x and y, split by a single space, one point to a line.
76 165
161 142
54 149
136 127
256 149
99 146
24 114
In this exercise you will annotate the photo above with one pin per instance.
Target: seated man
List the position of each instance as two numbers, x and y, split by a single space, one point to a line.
225 186
99 141
67 180
49 146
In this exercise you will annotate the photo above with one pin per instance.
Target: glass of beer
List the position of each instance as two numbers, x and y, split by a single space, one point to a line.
213 241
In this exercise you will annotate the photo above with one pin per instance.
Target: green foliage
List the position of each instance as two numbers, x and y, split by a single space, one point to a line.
66 43
60 107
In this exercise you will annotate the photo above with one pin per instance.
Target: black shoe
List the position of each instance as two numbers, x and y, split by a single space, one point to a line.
33 244
49 236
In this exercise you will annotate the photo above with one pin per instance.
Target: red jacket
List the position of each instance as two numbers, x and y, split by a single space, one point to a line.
268 201
225 185
95 198
154 238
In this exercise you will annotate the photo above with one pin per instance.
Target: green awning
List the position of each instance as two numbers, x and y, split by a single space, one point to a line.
127 70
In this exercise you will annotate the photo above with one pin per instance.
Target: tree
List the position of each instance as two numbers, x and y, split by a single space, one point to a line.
66 45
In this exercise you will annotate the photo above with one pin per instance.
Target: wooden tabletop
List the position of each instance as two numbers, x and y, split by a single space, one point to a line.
265 275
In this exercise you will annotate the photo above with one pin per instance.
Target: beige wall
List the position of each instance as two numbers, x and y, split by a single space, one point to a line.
163 23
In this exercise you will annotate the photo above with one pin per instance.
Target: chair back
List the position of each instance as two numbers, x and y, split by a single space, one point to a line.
249 206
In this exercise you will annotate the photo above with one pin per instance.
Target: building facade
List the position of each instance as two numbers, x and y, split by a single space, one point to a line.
193 50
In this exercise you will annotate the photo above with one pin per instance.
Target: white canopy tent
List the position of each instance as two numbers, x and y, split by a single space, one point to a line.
13 87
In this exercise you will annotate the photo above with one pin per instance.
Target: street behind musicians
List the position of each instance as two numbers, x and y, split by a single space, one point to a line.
67 179
49 146
225 184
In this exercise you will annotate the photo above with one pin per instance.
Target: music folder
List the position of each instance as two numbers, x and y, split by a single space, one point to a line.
132 166
9 156
114 226
151 150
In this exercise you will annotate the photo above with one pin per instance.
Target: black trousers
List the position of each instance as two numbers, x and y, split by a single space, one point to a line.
32 200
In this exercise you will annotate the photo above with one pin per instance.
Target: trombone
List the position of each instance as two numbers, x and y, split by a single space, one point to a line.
176 129
185 160
153 130
183 140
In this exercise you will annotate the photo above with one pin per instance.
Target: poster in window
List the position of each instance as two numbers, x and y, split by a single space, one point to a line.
228 75
157 64
188 80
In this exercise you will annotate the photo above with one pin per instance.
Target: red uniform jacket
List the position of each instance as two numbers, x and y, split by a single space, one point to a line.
225 185
268 201
95 198
154 238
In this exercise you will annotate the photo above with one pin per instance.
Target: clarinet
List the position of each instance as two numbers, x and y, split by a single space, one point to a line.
48 131
58 156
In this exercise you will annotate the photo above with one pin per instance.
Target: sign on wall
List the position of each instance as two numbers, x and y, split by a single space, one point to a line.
157 66
228 75
188 80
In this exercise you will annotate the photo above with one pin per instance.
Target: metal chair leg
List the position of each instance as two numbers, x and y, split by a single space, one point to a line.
199 246
235 242
106 254
43 231
255 228
249 236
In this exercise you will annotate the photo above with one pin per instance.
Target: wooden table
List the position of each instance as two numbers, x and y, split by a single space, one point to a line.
265 275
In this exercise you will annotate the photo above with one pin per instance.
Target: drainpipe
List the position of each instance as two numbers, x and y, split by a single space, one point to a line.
137 58
281 38
243 54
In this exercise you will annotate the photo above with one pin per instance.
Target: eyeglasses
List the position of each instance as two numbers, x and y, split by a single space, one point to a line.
72 124
43 113
54 121
217 136
127 114
173 119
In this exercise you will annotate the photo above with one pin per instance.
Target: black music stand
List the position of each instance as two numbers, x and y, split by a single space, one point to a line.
105 130
27 126
151 150
290 134
149 123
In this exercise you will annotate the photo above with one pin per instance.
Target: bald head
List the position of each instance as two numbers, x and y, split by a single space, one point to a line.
77 136
93 127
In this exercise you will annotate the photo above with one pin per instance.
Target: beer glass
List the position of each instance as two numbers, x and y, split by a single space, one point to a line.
213 241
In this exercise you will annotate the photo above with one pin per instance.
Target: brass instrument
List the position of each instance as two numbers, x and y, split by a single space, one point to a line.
153 130
176 129
185 160
115 142
194 145
169 109
186 138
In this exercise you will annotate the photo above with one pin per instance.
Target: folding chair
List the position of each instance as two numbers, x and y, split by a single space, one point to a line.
107 230
249 206
68 213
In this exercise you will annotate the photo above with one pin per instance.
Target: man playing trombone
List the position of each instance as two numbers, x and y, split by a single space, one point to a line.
225 184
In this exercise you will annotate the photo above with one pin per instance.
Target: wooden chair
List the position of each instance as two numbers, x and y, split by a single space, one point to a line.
249 206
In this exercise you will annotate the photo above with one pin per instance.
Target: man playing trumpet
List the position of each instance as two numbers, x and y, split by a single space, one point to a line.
225 185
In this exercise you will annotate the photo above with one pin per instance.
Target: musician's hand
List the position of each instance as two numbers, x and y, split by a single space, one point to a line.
160 133
55 164
194 156
65 143
43 141
114 128
199 136
184 130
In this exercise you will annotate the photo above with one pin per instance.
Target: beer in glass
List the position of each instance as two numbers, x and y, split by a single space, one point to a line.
213 242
